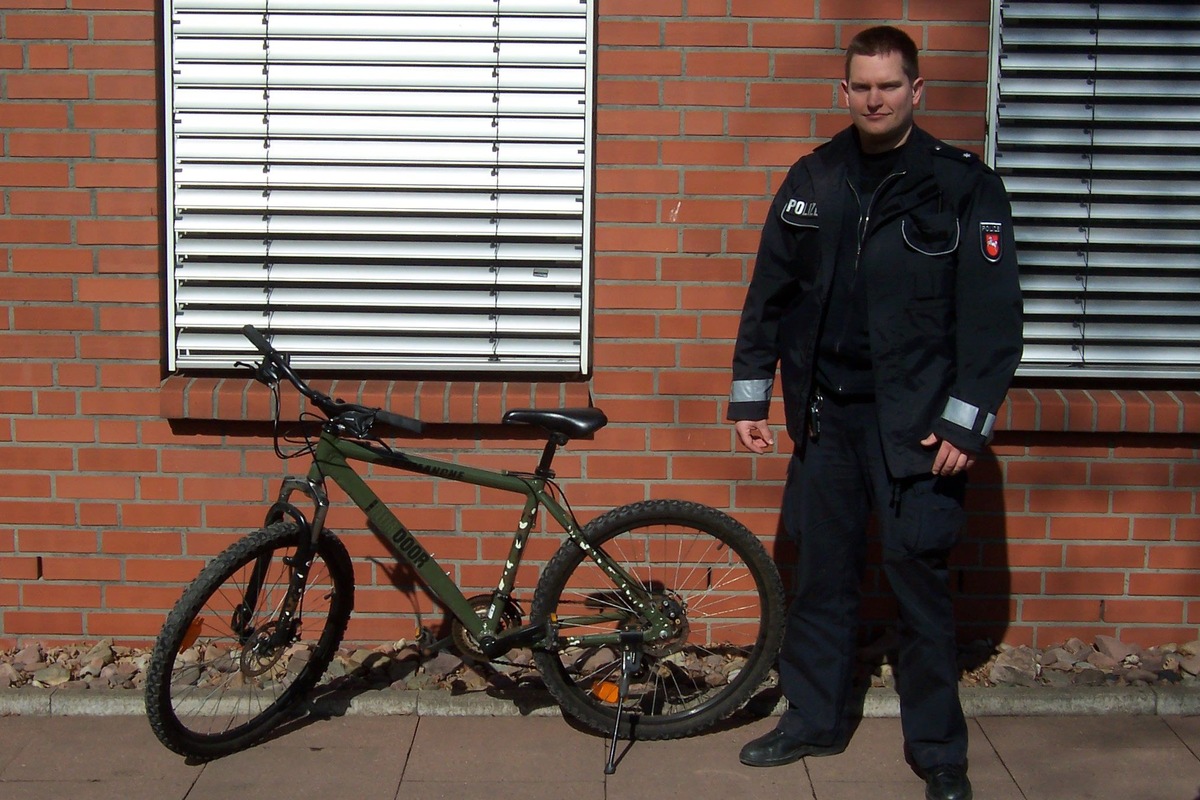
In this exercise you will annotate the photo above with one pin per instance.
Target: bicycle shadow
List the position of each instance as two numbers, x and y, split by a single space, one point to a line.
319 707
748 714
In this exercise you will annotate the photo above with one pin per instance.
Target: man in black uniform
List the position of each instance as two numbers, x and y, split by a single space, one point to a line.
886 290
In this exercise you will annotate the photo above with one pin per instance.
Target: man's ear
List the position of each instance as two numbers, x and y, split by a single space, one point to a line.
846 93
918 88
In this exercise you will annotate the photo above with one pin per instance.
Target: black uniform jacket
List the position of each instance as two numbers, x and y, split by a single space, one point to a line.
943 301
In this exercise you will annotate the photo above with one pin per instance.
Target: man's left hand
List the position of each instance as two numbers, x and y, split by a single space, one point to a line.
950 460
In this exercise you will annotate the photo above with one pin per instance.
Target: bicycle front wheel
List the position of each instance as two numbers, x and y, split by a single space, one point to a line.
228 665
700 562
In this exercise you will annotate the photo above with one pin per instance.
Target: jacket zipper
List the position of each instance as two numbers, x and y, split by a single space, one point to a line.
864 222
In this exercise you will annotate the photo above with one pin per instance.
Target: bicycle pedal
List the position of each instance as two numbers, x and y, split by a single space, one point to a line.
426 640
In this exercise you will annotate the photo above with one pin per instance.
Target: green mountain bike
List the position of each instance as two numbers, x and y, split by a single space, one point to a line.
653 621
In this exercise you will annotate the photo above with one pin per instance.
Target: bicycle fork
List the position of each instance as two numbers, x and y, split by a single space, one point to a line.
299 563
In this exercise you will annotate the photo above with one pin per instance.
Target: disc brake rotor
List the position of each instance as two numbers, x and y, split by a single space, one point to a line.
262 653
676 611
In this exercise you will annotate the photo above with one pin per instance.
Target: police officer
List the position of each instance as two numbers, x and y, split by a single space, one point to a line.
885 288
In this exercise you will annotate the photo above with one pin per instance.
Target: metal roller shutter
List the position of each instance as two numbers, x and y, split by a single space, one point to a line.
1098 141
381 184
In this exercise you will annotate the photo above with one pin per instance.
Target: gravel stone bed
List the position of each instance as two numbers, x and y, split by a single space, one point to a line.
1107 661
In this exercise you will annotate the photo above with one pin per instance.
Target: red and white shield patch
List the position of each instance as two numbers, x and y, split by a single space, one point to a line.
990 241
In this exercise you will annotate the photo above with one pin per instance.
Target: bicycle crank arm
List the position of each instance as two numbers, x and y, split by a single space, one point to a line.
530 635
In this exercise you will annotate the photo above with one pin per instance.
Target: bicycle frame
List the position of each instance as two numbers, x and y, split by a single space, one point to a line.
332 457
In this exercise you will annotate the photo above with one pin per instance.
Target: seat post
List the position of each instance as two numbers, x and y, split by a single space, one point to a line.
552 444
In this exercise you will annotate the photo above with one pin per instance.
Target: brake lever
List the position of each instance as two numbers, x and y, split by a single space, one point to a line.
265 372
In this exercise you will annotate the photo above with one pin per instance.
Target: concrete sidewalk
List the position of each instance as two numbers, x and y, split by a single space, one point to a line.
1113 757
1118 745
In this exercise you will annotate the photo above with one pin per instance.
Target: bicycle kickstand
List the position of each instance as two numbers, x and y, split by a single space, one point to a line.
631 662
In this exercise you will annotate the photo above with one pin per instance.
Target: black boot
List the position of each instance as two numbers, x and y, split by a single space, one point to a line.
947 782
776 748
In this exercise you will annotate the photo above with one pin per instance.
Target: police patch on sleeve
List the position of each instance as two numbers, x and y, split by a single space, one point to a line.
802 213
990 241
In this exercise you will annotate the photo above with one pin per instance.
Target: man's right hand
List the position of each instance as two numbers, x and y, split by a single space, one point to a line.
755 435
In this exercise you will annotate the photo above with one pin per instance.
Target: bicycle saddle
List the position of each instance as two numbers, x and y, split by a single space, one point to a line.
570 422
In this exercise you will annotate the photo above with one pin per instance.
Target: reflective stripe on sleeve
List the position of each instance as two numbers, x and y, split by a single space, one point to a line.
988 424
961 414
965 415
757 391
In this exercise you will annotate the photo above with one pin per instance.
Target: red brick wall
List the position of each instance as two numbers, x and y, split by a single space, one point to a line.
115 485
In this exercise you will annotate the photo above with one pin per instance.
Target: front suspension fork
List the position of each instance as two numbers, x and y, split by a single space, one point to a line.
298 563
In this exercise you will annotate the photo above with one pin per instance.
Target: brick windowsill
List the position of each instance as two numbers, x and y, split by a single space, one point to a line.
1100 411
469 403
446 402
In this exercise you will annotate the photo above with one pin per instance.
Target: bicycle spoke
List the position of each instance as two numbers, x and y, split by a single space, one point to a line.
235 677
692 564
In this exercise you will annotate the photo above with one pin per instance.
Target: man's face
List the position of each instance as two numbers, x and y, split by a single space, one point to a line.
881 100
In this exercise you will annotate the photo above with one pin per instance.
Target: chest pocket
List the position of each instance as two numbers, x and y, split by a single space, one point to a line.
931 235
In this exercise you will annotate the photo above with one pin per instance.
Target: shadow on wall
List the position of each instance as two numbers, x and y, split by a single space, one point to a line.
980 572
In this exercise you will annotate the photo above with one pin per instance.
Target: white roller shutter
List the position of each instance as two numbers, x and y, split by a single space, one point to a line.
1098 141
381 184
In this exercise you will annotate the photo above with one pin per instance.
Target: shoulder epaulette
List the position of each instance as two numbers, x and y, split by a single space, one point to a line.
954 154
950 178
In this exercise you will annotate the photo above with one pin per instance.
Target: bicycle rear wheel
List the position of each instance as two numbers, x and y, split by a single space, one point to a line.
226 666
704 564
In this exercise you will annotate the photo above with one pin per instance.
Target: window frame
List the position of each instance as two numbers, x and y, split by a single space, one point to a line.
534 305
1141 322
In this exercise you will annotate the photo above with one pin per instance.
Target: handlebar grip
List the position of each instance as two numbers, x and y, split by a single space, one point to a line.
257 339
400 421
325 403
279 366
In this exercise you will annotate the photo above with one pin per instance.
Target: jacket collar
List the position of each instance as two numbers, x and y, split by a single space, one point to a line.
916 187
844 149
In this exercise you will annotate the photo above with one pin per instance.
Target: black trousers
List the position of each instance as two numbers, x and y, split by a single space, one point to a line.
833 484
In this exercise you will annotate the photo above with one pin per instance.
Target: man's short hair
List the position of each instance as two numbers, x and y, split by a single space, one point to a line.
881 40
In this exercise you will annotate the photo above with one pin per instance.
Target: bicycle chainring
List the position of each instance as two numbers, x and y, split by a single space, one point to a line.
510 617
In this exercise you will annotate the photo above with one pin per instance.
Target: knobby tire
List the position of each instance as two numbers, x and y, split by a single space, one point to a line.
695 557
212 690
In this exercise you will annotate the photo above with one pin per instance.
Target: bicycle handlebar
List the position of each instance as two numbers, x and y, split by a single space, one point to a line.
328 405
